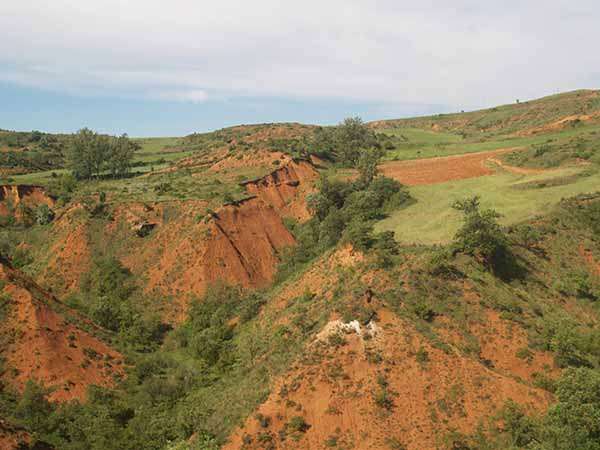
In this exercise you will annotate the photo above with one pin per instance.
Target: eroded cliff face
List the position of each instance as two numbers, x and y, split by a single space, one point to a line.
12 196
40 343
238 244
286 188
244 243
189 248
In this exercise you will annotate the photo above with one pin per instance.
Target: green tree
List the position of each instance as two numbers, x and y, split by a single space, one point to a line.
480 235
574 422
345 142
367 164
120 156
33 408
90 154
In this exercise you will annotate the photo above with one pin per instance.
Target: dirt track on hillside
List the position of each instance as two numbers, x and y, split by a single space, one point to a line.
442 169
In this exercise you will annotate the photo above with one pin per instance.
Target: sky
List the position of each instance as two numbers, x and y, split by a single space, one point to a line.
167 68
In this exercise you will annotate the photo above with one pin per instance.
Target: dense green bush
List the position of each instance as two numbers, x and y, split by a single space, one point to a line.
574 422
346 210
208 332
481 234
62 187
109 297
345 143
44 215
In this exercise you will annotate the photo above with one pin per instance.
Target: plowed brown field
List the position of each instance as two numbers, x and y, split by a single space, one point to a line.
442 169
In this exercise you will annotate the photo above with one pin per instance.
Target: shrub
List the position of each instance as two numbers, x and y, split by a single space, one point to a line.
480 235
359 234
385 248
423 311
297 424
441 264
33 408
384 400
43 215
263 420
573 421
422 356
63 186
162 188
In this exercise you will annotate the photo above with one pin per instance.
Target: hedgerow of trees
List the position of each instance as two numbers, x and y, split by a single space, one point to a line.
91 154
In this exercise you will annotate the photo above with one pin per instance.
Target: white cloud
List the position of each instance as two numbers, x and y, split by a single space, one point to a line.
466 53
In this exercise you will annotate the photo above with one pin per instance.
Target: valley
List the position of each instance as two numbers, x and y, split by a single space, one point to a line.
425 283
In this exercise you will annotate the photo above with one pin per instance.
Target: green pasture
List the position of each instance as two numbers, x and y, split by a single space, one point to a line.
518 197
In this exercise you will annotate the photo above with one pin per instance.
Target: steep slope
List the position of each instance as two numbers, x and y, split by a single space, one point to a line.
286 188
238 244
43 344
16 196
177 248
190 246
420 358
365 387
69 255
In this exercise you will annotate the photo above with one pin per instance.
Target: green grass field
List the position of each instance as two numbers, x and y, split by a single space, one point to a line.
432 220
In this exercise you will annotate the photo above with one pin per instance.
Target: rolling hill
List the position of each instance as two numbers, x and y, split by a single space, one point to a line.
264 287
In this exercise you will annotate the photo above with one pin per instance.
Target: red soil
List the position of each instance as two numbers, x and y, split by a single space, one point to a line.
12 438
286 188
244 243
442 169
42 345
253 158
11 196
187 251
239 244
333 389
501 341
321 278
69 256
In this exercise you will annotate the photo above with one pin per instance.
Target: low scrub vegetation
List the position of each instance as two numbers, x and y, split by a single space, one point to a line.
345 211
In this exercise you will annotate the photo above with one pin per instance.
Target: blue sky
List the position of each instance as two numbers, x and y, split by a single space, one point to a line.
156 68
27 108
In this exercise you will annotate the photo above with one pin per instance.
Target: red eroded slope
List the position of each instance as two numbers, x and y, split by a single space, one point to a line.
286 188
14 195
40 343
244 243
187 251
335 389
70 255
12 437
239 244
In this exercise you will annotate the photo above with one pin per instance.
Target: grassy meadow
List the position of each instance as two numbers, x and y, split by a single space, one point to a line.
432 220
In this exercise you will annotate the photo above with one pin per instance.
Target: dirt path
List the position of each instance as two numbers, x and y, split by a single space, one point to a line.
517 170
445 168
